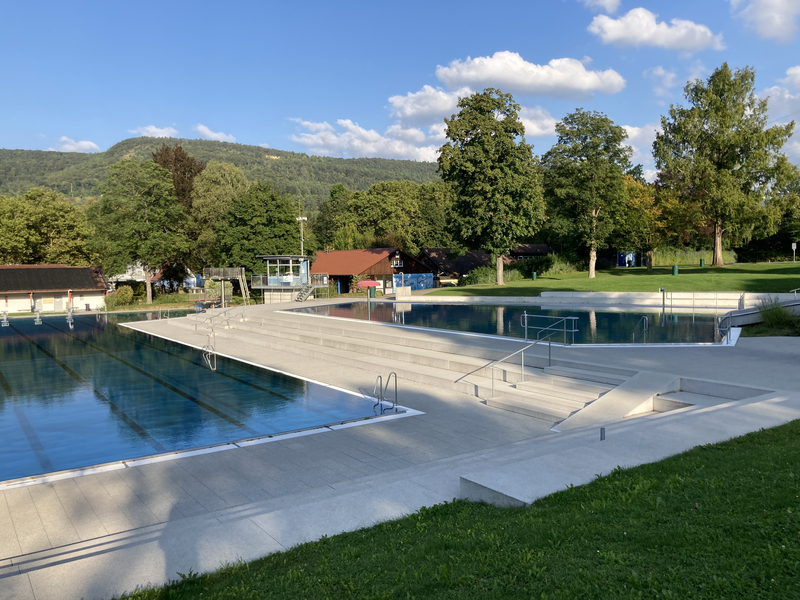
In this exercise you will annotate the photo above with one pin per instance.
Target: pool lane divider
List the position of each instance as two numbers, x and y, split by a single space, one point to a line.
179 454
114 408
169 386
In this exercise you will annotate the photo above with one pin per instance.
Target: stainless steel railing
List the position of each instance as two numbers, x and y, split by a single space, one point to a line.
562 321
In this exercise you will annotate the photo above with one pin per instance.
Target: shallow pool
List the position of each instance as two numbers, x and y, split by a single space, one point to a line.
99 393
593 326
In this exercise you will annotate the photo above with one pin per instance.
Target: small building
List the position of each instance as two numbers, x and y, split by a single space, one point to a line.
447 269
51 288
380 264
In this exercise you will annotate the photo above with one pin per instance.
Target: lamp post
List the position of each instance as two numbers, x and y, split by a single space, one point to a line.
300 220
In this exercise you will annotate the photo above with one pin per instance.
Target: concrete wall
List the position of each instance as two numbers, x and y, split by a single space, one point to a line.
51 301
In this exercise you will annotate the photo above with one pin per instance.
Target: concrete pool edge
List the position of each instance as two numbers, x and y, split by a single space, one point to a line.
127 463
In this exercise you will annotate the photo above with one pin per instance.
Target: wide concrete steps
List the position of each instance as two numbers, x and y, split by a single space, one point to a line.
608 376
548 397
283 337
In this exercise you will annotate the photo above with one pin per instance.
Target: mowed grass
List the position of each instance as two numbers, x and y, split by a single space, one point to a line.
757 277
720 521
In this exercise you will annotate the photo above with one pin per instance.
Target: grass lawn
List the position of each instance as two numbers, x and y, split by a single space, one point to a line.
720 521
750 277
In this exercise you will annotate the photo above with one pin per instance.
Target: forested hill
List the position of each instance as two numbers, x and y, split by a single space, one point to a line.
309 177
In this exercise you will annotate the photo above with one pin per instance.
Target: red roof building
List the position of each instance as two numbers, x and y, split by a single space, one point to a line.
380 264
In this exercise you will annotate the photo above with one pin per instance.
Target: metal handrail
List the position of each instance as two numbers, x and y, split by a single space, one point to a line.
795 290
523 319
646 322
719 327
379 392
494 363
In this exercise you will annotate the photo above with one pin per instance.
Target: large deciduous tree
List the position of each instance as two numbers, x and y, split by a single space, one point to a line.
139 220
183 168
719 154
212 197
583 176
259 221
497 197
42 227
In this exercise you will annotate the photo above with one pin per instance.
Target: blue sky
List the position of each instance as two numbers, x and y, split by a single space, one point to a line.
370 78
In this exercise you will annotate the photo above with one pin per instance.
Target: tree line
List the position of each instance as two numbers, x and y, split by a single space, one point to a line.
722 180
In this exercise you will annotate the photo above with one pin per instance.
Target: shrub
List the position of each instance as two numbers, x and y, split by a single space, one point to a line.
124 295
774 314
552 264
112 301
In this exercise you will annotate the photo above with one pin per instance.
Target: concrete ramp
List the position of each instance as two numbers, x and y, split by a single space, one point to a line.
627 399
522 483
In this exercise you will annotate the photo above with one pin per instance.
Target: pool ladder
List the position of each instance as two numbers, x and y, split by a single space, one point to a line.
379 393
210 353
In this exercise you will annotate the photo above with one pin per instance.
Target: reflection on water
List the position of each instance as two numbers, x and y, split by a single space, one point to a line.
88 392
594 327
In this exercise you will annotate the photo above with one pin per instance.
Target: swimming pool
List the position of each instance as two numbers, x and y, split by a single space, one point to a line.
593 326
98 393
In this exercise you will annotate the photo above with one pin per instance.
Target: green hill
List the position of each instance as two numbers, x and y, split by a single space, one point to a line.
308 177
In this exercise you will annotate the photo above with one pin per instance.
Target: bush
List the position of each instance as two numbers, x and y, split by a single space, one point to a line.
774 314
124 295
111 301
665 257
552 264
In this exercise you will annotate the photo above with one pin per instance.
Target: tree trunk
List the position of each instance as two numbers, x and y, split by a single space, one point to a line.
592 261
148 285
500 270
649 257
718 260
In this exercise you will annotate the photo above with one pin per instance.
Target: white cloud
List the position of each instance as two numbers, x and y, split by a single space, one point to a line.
70 145
213 135
427 105
641 140
537 121
352 140
781 101
650 175
437 132
771 19
640 28
264 145
609 6
560 78
663 79
153 131
792 77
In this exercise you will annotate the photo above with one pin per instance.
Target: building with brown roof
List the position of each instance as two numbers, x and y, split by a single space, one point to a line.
51 288
380 264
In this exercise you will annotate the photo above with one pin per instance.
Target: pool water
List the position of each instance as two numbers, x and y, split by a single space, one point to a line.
99 393
594 327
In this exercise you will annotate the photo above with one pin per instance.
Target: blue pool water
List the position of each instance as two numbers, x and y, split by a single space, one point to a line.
99 392
594 327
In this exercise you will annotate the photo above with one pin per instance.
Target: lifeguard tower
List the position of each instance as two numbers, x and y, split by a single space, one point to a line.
288 278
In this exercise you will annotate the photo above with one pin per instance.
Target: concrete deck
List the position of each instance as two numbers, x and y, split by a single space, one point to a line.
105 533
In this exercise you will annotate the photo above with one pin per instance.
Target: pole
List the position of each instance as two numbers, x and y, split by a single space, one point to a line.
300 220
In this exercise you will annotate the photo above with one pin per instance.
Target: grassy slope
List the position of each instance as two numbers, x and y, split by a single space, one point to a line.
720 521
761 277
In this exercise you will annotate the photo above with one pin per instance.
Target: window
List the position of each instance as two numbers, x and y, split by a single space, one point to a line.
396 263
